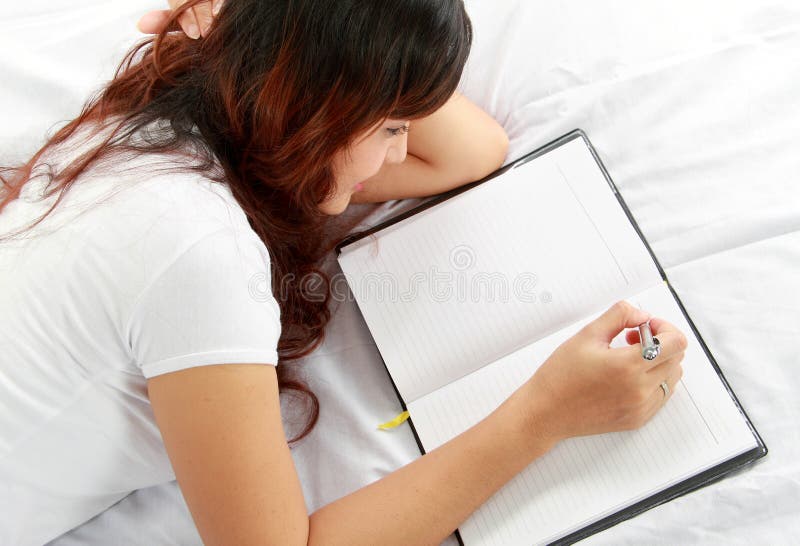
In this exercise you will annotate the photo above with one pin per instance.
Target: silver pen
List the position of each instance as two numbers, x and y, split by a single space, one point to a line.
650 345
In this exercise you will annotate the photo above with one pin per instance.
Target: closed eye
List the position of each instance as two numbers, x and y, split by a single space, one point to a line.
395 131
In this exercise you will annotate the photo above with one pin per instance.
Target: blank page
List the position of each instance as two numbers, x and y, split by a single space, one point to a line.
585 479
455 287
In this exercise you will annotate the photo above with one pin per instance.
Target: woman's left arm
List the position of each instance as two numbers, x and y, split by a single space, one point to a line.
457 144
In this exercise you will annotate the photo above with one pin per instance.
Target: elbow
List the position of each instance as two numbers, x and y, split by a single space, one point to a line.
494 152
501 147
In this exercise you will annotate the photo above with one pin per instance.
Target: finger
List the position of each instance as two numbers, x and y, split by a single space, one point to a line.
671 343
674 373
659 398
658 325
216 6
619 316
669 368
189 24
204 17
153 22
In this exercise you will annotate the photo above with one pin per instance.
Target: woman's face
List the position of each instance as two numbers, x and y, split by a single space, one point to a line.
385 142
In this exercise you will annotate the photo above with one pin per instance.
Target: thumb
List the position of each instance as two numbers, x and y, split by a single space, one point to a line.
153 22
619 316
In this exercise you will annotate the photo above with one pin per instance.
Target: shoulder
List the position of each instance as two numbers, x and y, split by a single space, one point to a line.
186 222
146 193
153 205
170 236
189 204
202 276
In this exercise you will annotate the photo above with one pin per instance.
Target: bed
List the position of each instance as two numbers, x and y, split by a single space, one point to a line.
693 105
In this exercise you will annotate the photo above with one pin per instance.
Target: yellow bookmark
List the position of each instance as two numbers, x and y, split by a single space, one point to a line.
397 421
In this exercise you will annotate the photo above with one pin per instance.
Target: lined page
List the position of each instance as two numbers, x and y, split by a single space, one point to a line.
585 479
490 270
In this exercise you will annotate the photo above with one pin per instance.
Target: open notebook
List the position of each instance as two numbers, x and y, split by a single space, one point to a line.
467 294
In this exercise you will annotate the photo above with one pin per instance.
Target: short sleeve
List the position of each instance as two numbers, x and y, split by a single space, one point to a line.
213 304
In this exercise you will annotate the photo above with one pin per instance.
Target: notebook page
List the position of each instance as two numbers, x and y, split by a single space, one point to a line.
490 270
585 479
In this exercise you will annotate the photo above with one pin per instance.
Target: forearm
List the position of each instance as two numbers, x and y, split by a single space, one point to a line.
457 144
426 500
413 177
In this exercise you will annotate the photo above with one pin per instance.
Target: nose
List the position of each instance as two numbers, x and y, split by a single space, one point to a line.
398 150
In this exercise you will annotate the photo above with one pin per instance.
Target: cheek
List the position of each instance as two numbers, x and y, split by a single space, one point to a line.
368 159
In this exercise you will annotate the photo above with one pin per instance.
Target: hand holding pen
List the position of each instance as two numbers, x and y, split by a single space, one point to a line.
587 386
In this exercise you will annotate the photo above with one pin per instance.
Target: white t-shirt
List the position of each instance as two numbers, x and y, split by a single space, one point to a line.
165 274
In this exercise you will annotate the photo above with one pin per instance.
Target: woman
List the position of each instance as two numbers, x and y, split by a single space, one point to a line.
132 345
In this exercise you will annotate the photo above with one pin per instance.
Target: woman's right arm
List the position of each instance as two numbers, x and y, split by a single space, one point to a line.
222 429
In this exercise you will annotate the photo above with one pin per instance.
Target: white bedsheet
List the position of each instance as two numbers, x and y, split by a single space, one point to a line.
694 106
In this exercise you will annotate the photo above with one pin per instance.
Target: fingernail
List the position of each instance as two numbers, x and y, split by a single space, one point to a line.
216 7
193 32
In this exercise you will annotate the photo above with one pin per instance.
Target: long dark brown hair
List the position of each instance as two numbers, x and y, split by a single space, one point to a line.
263 104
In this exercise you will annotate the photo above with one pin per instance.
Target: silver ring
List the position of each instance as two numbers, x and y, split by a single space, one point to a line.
665 388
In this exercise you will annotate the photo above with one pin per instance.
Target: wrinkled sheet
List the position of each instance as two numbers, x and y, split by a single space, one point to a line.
694 106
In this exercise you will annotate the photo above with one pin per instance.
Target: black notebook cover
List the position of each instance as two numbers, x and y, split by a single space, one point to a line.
699 480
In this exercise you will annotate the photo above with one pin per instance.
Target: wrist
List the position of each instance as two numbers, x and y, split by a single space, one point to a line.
525 419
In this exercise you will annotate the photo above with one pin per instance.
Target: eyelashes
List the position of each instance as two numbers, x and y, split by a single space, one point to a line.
396 131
